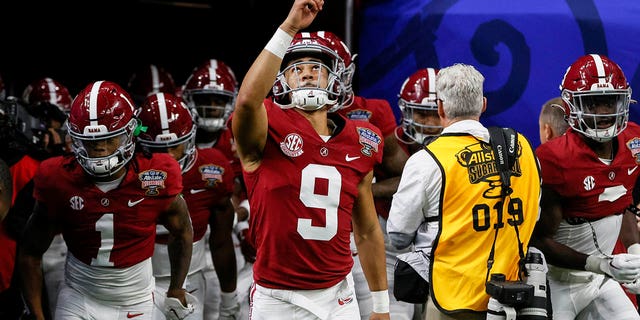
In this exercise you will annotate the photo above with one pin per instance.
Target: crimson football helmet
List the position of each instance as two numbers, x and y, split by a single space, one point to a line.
596 97
215 63
169 124
102 113
149 80
211 92
339 47
417 101
47 91
306 95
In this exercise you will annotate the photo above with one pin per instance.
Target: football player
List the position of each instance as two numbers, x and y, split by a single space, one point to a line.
106 200
309 174
588 175
208 184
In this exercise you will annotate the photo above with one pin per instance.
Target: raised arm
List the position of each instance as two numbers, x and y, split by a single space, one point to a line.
249 123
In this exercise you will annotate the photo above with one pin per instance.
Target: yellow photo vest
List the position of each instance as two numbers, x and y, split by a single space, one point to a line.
470 212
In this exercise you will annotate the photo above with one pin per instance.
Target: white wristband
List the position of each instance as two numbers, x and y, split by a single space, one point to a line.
634 249
595 263
279 43
228 299
235 219
380 301
238 227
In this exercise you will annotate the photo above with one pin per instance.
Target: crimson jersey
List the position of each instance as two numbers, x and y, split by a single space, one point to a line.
376 111
208 181
115 228
21 174
226 145
302 196
590 188
379 113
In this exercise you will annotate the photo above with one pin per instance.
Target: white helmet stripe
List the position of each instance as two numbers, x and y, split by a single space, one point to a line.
93 103
431 74
212 77
305 34
600 68
162 108
155 79
51 87
213 63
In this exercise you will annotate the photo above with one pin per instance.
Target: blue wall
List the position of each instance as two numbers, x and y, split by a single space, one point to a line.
522 48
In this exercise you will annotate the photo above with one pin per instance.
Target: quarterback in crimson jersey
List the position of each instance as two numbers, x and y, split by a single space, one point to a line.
308 177
316 182
106 202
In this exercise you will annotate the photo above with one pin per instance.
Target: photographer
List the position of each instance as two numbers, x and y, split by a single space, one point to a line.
48 102
450 202
23 158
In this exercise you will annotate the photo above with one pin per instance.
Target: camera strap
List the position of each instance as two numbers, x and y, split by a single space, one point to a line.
505 157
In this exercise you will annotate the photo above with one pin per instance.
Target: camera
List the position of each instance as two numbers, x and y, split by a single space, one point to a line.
16 118
537 277
511 293
517 299
23 127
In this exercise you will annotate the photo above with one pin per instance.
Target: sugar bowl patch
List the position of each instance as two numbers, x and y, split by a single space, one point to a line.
211 173
369 140
634 147
152 180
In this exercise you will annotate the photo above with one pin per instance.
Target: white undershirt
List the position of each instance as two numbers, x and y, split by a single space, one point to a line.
106 186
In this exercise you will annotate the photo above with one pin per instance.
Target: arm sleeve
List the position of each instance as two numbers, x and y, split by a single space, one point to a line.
410 201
